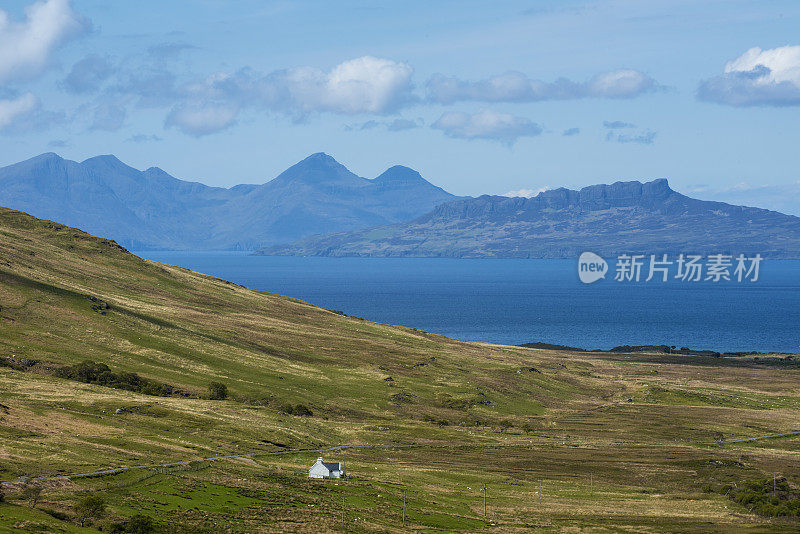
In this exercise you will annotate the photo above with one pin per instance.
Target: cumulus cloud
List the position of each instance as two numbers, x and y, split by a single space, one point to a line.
88 74
517 87
486 124
12 110
26 47
527 193
571 131
201 119
362 85
757 78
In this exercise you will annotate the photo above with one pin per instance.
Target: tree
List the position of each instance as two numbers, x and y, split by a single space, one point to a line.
31 493
217 391
90 507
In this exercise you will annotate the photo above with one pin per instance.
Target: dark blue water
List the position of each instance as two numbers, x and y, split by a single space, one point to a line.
518 301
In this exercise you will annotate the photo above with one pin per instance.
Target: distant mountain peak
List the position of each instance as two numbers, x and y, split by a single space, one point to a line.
400 173
46 158
319 159
109 163
47 155
321 156
318 168
105 158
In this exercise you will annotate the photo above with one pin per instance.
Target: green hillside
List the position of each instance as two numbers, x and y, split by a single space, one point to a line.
564 441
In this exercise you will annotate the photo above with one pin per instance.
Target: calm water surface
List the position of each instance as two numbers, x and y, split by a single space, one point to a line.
517 301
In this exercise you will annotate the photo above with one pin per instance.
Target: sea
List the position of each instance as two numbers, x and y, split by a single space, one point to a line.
515 301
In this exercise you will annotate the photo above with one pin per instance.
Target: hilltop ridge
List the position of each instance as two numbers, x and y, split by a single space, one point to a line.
609 219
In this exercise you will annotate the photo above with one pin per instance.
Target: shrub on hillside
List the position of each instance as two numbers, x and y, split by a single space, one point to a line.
99 373
61 516
766 497
136 524
298 409
217 391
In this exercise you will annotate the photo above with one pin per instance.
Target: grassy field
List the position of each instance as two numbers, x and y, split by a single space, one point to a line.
565 442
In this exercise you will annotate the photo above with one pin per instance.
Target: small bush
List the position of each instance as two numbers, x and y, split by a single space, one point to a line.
766 497
217 391
61 516
298 409
137 524
2 495
99 373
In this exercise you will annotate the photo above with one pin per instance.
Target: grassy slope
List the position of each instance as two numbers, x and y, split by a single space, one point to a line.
185 329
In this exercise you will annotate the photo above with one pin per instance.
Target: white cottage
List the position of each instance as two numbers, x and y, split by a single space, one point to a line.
326 469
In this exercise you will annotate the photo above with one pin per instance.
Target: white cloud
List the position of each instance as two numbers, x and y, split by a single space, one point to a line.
527 193
517 87
14 109
365 84
624 83
486 124
26 47
362 85
202 119
757 78
783 63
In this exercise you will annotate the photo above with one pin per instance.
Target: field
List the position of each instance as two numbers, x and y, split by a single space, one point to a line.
564 442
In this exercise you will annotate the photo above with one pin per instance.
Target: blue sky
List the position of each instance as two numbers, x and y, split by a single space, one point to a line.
480 98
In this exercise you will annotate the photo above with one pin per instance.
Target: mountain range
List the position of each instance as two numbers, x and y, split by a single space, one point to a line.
318 207
152 210
624 217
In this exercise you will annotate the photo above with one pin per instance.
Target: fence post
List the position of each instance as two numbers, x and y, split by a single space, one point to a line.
404 508
484 500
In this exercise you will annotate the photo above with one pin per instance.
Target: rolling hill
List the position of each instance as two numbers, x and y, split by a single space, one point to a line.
565 441
624 217
152 210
